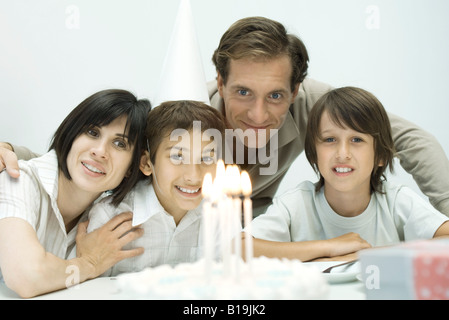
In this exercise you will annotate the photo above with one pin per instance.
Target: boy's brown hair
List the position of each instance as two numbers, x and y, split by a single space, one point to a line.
361 111
181 114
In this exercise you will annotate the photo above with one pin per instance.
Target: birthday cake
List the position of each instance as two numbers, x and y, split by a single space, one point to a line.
227 277
265 278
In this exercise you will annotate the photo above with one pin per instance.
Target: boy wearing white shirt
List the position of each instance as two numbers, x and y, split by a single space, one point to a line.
168 205
349 145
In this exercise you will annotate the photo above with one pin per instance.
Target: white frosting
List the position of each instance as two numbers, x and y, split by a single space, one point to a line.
267 279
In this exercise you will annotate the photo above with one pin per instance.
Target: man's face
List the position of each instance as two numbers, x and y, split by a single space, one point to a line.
257 95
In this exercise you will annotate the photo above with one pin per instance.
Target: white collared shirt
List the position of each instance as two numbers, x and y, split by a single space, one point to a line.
32 197
163 241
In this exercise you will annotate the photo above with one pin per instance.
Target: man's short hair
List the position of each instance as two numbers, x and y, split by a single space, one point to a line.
261 38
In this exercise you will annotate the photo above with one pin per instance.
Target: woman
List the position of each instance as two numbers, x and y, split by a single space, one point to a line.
97 148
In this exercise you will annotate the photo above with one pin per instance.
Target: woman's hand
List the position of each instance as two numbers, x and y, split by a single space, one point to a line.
103 247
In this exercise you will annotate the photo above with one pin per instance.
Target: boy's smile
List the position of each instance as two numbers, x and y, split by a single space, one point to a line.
178 177
189 191
343 170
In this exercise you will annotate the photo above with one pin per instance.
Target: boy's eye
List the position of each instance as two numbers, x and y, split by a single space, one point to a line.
329 139
207 160
177 157
357 139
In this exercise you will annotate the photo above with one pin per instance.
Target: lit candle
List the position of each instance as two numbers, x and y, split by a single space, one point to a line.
221 211
208 224
235 191
220 175
238 212
248 216
228 221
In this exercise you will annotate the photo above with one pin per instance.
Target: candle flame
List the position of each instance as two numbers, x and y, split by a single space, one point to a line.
220 176
206 189
220 169
227 183
245 182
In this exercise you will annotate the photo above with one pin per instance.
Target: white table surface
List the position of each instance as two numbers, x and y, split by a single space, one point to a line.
105 288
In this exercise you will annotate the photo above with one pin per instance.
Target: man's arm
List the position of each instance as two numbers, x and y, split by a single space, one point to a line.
22 153
422 156
9 155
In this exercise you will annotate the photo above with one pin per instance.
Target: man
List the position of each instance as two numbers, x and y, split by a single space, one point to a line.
261 85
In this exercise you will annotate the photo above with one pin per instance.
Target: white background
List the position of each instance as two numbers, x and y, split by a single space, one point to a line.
55 53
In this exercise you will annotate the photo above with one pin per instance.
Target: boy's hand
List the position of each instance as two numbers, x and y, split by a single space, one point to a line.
102 248
347 244
8 160
345 257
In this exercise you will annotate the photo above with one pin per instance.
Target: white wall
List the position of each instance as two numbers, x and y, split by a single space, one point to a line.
54 53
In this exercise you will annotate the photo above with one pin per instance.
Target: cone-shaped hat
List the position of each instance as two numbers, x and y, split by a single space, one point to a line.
182 76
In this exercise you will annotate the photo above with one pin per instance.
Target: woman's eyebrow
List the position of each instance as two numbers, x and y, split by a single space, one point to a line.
122 135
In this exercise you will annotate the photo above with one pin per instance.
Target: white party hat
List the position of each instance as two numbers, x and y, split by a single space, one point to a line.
182 76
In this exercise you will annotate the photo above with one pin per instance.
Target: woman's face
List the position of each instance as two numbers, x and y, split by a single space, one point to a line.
100 157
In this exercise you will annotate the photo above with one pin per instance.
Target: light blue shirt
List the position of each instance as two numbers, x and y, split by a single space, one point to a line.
302 214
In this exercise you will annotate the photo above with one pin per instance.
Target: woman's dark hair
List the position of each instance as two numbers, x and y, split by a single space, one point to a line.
361 111
100 109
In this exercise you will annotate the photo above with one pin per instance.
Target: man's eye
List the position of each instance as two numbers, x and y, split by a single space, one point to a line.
243 92
276 96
